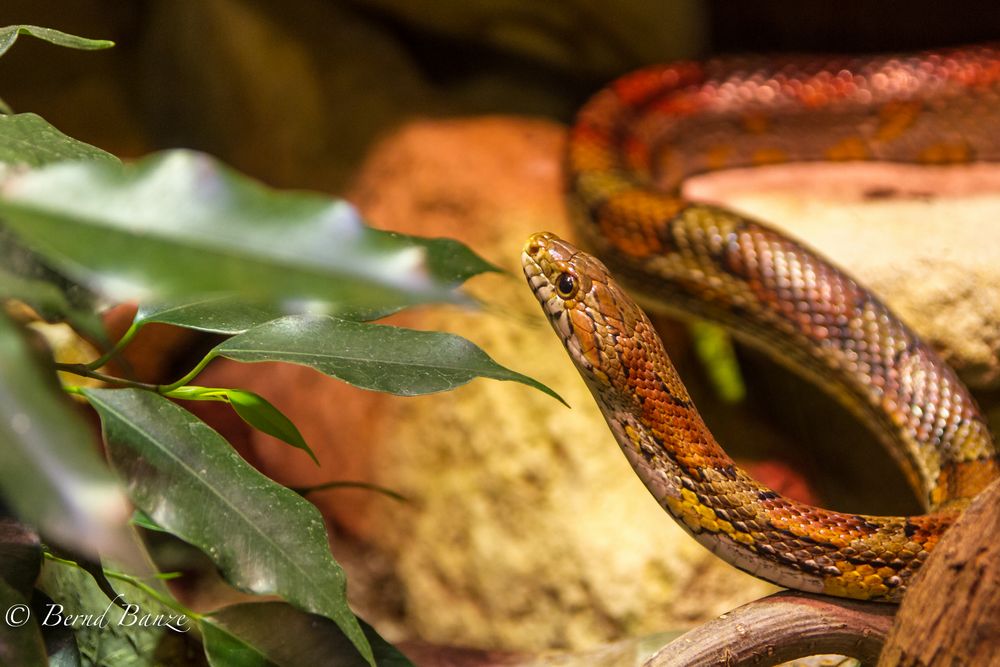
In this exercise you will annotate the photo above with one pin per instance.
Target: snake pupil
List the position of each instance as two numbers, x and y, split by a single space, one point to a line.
566 285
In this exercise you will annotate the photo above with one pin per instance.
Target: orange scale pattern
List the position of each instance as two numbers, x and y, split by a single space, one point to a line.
628 155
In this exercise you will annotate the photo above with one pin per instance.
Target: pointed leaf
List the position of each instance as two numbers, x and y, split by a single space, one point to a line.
253 409
27 139
263 416
91 567
141 519
9 34
20 638
50 473
242 635
450 261
180 224
224 314
371 356
118 640
229 314
264 538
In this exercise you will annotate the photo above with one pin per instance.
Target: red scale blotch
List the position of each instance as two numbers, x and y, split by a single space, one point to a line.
638 87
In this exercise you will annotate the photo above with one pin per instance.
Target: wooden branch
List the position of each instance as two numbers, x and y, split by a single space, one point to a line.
782 627
951 614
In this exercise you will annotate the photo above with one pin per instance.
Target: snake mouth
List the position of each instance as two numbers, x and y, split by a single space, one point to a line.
540 284
546 256
539 265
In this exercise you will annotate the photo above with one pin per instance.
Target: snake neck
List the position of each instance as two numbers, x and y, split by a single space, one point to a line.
617 351
752 527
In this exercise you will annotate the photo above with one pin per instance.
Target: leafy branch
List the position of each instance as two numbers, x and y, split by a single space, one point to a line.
282 276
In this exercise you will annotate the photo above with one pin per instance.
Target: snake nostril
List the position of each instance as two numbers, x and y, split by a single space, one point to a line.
533 248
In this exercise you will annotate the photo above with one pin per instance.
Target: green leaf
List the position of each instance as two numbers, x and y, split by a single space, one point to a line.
264 538
181 225
371 356
91 567
450 261
223 314
263 416
253 409
228 314
9 34
116 641
141 519
20 645
243 635
50 472
27 139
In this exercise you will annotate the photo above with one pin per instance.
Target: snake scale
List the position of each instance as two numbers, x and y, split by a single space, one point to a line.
631 148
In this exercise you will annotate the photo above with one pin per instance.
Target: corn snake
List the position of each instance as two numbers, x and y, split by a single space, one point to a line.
629 152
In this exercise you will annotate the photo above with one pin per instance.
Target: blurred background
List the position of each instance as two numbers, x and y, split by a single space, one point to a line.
295 92
524 528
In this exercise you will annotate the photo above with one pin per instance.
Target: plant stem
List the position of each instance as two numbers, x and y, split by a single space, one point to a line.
84 371
153 593
118 347
344 484
87 370
167 388
134 581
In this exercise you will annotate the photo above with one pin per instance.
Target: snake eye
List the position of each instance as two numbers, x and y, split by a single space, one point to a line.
566 285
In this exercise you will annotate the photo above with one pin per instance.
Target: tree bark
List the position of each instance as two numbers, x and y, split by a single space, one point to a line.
951 614
782 627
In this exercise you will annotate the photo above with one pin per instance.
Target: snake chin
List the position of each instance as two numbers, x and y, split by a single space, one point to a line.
547 260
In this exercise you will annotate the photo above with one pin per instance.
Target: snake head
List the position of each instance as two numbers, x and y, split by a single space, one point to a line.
592 315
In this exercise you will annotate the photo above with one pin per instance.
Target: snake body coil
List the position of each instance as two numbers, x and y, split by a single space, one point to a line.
632 146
